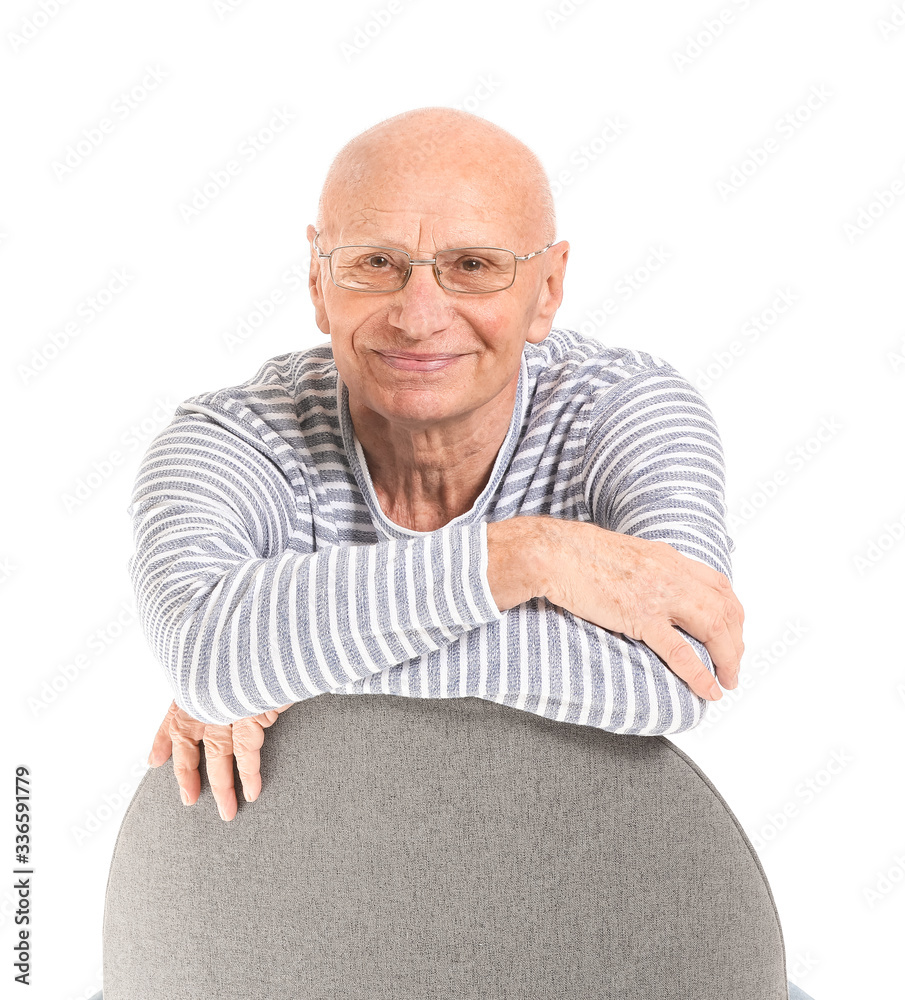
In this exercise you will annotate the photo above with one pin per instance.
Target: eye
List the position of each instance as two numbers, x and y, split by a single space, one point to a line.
377 261
471 264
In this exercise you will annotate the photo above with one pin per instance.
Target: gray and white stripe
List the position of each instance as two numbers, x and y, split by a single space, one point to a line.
266 572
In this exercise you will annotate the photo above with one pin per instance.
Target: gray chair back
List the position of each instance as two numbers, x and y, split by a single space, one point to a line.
442 848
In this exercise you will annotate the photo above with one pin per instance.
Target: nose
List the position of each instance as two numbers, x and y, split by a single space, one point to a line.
422 307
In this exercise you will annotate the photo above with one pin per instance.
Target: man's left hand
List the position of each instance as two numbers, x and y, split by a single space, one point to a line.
180 734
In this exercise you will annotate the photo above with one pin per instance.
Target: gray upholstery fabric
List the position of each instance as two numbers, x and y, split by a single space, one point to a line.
442 848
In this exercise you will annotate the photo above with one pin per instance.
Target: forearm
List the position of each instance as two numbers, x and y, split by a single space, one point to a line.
555 558
240 636
247 609
533 556
541 658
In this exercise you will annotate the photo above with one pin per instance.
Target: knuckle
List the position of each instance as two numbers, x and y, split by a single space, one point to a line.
682 653
636 630
218 743
248 738
184 746
183 725
716 626
700 677
730 611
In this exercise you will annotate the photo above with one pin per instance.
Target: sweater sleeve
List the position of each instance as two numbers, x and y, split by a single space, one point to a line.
654 468
243 621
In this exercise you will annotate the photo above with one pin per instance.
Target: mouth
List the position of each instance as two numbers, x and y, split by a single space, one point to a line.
419 362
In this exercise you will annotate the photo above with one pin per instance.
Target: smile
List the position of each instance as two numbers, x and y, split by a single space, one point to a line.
427 364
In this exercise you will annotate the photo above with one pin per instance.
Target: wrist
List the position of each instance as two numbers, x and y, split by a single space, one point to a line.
526 558
544 548
516 549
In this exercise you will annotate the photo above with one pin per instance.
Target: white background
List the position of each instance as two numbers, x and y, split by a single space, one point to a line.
808 751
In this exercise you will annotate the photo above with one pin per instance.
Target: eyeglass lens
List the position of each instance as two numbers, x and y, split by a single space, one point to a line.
473 269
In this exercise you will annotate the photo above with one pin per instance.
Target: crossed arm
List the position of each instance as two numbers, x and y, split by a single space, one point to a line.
651 581
660 565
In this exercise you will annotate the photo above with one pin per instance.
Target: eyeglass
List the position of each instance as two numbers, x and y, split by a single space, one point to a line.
472 270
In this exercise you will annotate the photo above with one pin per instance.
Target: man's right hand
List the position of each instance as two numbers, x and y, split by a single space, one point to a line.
180 733
626 584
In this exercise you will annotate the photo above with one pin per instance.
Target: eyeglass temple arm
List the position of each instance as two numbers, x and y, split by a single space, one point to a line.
528 256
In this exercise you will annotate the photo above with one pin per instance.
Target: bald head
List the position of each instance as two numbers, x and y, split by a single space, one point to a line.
459 152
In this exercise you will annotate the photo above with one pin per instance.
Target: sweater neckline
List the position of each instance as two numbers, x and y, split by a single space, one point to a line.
356 457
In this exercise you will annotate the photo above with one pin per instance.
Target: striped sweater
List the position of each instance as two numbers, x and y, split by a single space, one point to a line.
266 572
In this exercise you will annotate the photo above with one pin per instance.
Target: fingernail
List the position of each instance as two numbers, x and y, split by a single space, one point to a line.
222 814
715 692
185 796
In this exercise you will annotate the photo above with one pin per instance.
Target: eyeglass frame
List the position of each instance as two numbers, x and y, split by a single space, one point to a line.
432 261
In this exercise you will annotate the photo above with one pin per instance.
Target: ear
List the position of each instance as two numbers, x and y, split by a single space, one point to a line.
549 298
315 288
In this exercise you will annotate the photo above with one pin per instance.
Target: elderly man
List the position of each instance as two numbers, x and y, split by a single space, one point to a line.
400 511
448 485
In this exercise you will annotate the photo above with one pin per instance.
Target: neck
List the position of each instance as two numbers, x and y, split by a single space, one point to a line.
426 477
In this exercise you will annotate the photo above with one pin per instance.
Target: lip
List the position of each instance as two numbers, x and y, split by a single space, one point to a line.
419 362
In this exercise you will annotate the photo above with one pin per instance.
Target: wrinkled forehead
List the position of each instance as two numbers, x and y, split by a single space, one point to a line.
429 213
428 231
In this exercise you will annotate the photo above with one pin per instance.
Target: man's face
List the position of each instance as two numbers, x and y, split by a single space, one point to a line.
424 212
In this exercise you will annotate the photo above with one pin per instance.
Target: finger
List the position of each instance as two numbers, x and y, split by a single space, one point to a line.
269 717
218 756
734 612
185 732
731 594
736 618
720 582
680 657
162 745
735 629
725 657
248 738
186 756
722 639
